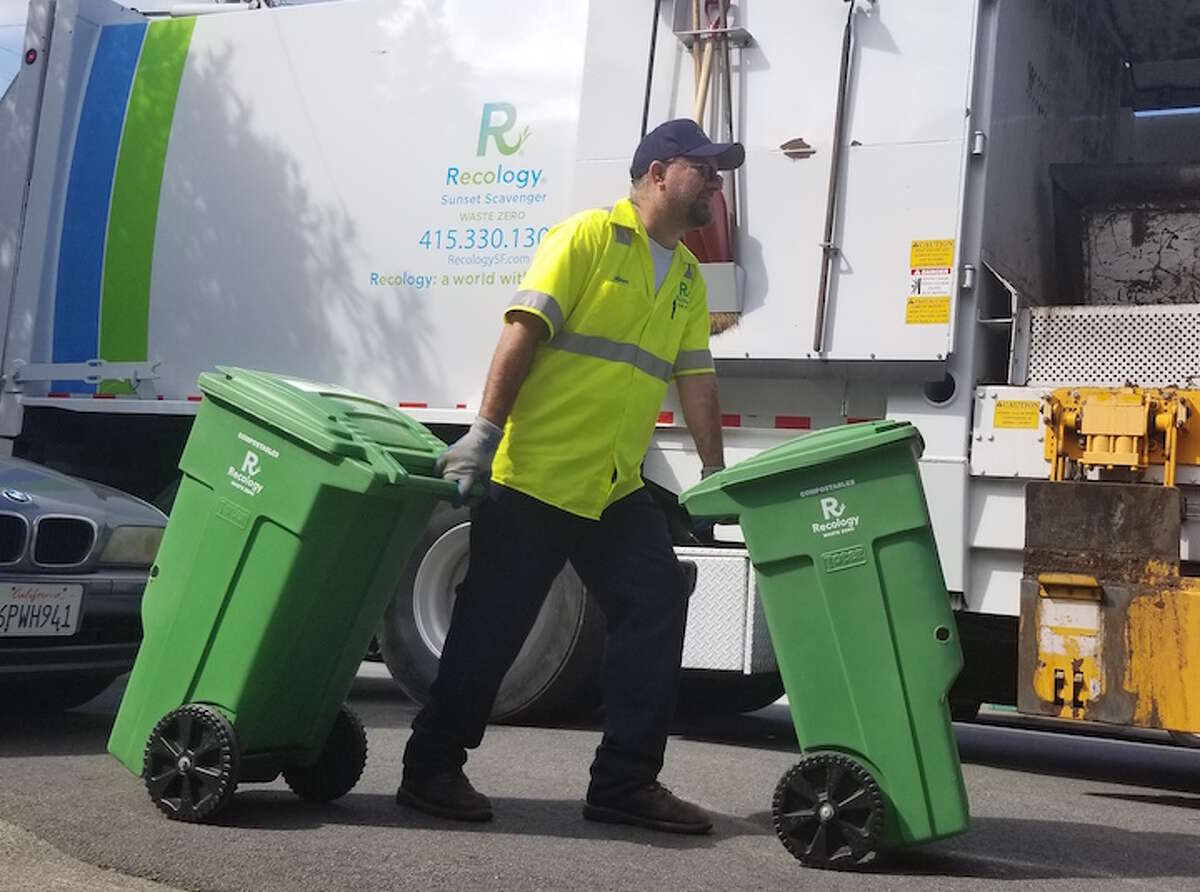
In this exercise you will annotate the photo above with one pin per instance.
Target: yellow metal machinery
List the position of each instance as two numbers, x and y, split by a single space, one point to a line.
1126 427
1110 628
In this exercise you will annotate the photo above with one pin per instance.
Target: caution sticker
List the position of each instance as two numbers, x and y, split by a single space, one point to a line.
1017 414
927 311
930 282
932 252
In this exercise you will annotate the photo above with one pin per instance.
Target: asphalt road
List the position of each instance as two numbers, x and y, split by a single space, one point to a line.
1050 811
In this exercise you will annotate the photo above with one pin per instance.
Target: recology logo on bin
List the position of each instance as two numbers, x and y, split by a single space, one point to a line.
834 519
836 522
243 479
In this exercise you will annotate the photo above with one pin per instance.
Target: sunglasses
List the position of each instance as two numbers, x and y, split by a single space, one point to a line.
708 171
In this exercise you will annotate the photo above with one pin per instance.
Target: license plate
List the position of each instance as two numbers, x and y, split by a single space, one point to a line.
35 610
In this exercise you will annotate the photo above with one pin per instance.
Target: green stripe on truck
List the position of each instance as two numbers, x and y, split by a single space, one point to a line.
132 219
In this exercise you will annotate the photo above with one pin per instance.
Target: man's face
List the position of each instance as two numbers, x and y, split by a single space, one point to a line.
690 186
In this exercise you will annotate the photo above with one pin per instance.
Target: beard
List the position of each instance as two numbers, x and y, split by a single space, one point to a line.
699 212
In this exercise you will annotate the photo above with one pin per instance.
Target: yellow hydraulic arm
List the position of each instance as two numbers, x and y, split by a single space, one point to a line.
1123 427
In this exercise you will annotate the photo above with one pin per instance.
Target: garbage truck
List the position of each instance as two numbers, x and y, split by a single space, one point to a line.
978 216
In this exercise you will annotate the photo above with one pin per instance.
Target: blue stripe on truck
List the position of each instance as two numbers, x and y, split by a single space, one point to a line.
89 189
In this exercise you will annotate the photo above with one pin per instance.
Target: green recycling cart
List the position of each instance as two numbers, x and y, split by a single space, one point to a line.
838 531
297 510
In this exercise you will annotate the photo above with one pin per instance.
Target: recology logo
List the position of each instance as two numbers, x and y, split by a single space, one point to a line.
496 124
833 522
496 131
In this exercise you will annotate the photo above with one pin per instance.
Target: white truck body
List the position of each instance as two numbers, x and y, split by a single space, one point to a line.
329 172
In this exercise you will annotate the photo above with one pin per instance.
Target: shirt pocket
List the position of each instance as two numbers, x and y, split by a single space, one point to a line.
615 309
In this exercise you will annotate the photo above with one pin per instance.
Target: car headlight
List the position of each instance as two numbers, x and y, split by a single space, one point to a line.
132 546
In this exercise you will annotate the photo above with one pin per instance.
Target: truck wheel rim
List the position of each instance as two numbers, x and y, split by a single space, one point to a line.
442 568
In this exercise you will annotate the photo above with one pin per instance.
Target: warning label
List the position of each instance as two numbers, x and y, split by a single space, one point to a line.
927 311
930 281
1017 414
932 252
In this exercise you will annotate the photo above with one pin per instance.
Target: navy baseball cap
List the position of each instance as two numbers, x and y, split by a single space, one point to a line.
679 138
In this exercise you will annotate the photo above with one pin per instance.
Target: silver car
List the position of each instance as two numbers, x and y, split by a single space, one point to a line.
74 558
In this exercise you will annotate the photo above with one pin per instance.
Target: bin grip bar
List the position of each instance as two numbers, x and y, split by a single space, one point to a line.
445 489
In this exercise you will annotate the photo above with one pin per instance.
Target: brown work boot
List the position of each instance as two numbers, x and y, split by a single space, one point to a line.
448 795
652 806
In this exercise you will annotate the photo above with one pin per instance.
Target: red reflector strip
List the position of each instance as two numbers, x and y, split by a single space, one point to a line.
412 405
460 405
104 396
731 421
195 398
59 395
666 417
793 422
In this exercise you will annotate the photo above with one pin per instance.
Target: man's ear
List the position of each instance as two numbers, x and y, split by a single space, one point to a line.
657 171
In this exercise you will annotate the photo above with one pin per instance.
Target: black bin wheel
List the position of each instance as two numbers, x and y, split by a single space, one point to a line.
338 767
828 811
191 763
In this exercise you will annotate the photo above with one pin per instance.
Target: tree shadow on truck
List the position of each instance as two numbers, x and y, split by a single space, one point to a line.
261 259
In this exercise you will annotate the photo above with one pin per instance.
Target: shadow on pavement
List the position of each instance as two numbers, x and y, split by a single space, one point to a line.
59 734
378 689
561 818
1027 848
767 729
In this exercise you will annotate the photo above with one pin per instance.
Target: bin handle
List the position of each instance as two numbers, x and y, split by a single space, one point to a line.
447 490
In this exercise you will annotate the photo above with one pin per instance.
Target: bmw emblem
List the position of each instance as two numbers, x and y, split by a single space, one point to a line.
15 495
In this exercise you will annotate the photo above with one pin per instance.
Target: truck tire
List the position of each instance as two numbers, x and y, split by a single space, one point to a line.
706 693
555 675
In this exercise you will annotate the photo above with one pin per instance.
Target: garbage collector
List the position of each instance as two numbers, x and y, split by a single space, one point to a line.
612 309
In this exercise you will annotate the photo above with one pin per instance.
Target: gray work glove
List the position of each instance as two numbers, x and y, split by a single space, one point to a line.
709 470
469 460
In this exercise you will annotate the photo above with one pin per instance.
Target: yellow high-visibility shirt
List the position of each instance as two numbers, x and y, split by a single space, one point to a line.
585 414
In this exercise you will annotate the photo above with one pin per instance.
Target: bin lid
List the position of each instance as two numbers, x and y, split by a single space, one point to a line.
326 417
806 451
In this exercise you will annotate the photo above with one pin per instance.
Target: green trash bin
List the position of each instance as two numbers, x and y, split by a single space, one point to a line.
838 531
297 510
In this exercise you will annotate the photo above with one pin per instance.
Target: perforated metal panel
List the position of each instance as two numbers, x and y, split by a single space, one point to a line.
1150 346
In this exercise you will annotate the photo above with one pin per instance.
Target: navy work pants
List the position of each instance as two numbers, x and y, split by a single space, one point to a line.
518 547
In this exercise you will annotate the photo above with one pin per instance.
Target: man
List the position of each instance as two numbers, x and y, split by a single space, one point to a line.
612 308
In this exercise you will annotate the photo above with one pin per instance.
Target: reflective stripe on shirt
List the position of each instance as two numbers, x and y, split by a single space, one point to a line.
615 351
543 303
691 360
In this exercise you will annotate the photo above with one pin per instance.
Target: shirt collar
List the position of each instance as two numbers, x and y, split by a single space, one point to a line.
625 214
